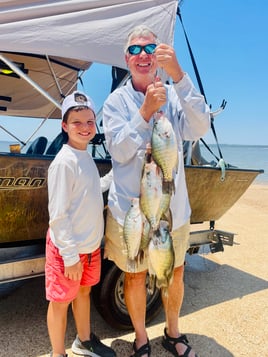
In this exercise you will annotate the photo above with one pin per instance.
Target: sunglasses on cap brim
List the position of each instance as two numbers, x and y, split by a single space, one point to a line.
137 49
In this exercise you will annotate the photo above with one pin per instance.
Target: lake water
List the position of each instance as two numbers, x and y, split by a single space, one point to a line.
242 156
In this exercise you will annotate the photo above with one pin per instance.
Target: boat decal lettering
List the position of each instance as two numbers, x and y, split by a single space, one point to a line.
22 182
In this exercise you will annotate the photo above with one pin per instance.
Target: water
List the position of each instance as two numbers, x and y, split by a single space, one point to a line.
242 156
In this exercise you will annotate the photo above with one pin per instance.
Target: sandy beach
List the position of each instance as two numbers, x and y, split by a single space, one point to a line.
225 309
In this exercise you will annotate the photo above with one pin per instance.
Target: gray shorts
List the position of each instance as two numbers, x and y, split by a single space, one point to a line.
115 248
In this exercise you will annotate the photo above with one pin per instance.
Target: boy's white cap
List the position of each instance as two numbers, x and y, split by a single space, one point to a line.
76 99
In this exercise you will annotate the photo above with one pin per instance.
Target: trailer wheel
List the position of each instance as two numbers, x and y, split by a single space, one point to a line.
108 297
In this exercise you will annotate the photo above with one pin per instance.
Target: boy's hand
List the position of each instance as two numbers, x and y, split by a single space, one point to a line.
74 272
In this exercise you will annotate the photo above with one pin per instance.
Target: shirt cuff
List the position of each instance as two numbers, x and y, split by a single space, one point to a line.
184 86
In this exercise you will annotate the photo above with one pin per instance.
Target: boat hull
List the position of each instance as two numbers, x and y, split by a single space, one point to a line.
211 195
24 199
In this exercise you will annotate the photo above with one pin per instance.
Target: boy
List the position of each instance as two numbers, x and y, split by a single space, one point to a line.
75 231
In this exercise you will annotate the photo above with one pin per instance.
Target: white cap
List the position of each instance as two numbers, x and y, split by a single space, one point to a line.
76 99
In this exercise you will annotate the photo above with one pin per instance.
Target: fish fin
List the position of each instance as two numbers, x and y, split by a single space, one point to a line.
125 251
151 284
141 256
173 186
131 265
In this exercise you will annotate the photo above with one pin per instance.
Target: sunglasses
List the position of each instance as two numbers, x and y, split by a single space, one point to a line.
136 49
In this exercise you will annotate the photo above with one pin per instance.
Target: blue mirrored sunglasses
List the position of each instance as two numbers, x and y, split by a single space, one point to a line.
136 49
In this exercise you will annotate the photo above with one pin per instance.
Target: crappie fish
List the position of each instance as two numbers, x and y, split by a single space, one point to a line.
161 256
151 193
165 147
132 230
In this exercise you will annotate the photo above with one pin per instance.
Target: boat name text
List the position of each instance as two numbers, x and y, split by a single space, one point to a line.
21 182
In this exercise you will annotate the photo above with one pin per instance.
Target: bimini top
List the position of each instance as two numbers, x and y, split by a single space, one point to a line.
55 40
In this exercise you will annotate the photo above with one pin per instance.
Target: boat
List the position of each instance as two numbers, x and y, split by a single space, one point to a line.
45 49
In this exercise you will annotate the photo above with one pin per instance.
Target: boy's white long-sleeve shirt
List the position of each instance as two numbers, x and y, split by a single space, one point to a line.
75 204
127 134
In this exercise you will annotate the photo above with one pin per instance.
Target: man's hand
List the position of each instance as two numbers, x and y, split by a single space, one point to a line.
167 59
155 97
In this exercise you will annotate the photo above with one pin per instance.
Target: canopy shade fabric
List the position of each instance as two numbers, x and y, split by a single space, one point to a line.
19 98
71 34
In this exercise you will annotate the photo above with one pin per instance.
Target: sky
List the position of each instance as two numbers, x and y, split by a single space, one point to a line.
229 42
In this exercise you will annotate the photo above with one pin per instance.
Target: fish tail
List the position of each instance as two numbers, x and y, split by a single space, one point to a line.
167 216
154 223
168 187
162 283
164 291
131 265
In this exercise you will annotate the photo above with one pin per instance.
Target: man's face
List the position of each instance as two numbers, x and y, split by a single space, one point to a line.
142 65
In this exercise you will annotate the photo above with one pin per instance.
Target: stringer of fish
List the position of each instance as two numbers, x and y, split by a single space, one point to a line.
148 222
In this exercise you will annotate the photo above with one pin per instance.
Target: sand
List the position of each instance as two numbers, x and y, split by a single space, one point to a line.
225 309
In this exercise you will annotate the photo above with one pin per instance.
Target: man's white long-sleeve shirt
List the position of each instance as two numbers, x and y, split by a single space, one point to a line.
75 204
127 135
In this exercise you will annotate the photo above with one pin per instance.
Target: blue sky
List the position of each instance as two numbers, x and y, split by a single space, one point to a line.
229 42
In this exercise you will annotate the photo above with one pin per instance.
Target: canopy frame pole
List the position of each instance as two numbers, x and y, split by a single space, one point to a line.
12 135
54 76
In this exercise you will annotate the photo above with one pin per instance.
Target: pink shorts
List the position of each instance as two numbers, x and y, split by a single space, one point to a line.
58 287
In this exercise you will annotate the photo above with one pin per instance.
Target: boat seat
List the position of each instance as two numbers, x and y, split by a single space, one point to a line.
38 146
56 145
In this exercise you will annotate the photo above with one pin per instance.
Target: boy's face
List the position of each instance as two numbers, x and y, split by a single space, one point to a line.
80 127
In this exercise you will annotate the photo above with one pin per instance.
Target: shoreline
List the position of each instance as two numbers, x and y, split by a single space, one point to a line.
258 183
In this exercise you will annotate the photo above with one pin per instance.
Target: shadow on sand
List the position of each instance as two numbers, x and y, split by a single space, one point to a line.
124 348
208 283
23 330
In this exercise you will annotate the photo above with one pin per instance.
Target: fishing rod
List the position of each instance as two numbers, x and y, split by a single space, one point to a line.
202 91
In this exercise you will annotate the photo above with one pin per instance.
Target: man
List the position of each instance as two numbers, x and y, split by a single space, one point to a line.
128 117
